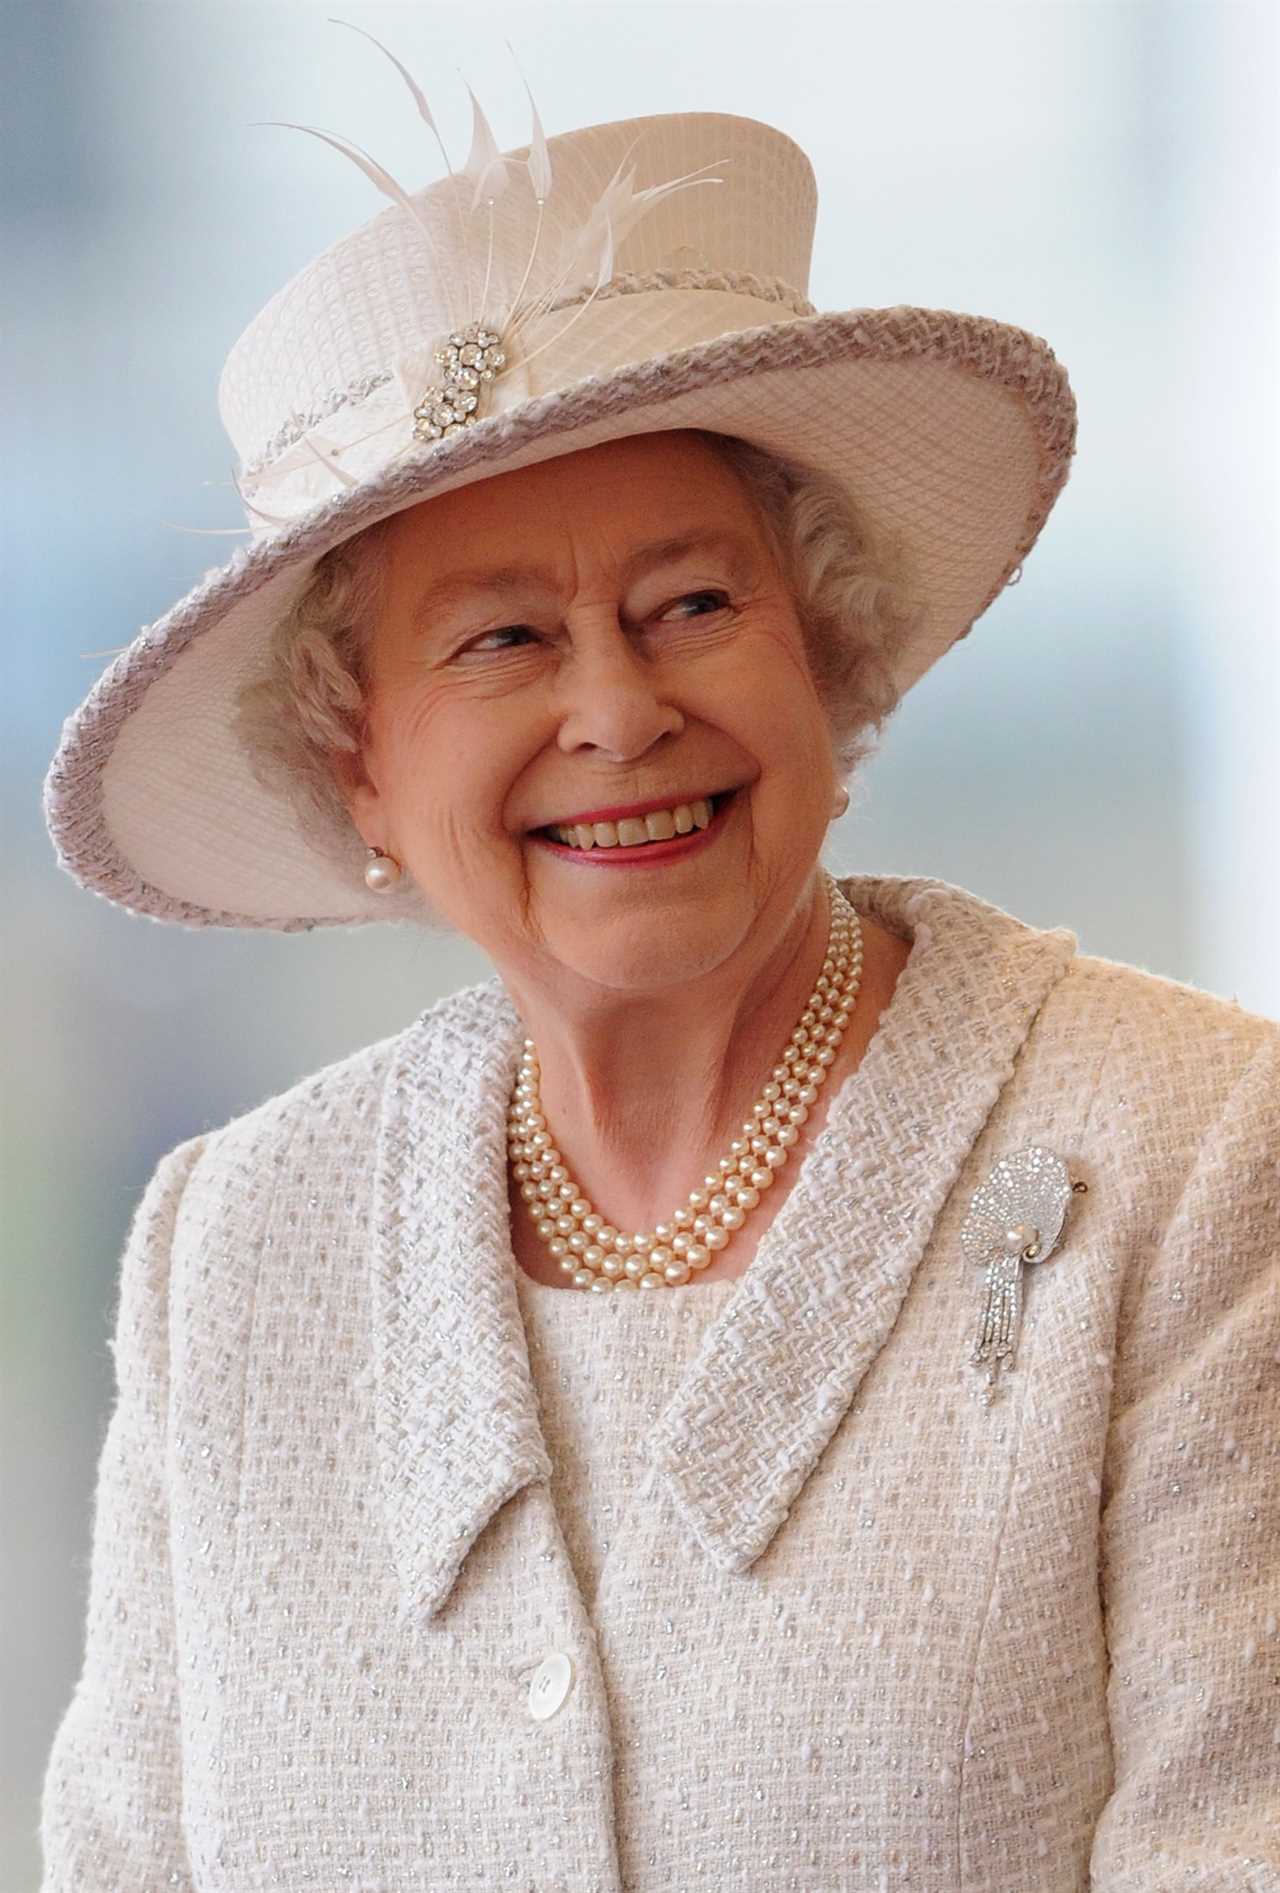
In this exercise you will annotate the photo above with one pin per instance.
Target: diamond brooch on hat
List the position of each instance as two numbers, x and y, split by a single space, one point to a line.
1015 1219
470 358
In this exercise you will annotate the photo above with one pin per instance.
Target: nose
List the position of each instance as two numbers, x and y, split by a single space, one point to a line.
611 700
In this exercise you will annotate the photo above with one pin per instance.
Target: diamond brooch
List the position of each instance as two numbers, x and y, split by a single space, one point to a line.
471 358
1015 1220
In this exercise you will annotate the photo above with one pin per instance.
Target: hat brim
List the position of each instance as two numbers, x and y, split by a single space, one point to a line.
952 433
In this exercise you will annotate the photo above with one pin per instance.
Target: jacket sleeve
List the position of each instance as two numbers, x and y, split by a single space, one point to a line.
1190 1558
111 1807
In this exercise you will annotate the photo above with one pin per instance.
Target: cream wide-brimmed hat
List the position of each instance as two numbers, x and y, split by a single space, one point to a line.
618 280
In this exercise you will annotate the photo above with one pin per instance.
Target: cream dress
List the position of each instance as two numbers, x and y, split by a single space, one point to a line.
604 1368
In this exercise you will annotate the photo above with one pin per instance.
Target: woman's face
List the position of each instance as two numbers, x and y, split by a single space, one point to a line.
601 638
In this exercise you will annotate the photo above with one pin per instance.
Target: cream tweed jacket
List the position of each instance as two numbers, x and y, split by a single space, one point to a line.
876 1635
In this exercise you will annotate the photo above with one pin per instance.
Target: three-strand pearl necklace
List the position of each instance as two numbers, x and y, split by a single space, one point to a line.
591 1253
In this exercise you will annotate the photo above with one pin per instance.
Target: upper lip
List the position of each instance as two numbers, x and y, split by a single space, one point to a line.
620 812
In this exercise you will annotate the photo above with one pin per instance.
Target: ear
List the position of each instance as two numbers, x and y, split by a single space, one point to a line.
360 796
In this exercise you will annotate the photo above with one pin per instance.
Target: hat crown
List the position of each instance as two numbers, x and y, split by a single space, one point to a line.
384 297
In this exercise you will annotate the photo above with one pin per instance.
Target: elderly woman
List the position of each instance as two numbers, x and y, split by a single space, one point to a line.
893 1506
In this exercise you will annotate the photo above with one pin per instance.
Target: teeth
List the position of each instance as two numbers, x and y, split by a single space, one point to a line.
633 831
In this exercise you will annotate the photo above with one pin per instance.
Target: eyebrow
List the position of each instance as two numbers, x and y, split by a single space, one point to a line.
501 581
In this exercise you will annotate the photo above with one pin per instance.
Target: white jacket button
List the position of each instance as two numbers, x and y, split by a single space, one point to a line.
551 1683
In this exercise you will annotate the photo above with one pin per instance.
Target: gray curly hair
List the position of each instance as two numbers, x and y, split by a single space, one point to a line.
310 703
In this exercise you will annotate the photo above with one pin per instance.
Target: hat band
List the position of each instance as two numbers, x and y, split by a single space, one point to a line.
258 473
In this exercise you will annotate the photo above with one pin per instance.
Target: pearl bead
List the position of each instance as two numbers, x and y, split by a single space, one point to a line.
557 1244
601 1286
660 1256
733 1217
583 1278
715 1238
612 1266
636 1266
381 873
676 1272
652 1281
697 1255
762 1178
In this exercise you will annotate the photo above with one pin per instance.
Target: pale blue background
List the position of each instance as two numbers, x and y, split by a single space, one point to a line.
1099 753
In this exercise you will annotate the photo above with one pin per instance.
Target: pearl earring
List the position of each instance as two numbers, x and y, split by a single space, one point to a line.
382 871
841 803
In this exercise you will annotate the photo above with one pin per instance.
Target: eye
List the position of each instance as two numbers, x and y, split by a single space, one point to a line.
697 604
510 636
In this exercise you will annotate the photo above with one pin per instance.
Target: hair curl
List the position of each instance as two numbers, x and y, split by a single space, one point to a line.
310 703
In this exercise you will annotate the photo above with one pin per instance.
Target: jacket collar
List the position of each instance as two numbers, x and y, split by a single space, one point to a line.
457 1420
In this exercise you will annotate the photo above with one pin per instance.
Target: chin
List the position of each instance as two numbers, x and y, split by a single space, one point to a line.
646 953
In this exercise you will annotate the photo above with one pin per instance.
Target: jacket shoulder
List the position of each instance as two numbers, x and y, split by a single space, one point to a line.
1165 1048
340 1103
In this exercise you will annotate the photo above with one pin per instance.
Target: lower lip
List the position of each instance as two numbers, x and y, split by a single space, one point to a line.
650 854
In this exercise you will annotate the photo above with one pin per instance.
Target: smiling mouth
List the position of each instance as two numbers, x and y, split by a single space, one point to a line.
638 831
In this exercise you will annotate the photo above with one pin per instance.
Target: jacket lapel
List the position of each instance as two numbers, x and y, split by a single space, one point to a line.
457 1415
778 1370
457 1419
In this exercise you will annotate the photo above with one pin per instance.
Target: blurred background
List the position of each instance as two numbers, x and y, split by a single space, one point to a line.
1100 753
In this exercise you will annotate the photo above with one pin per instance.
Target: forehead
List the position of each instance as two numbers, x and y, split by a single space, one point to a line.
652 488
